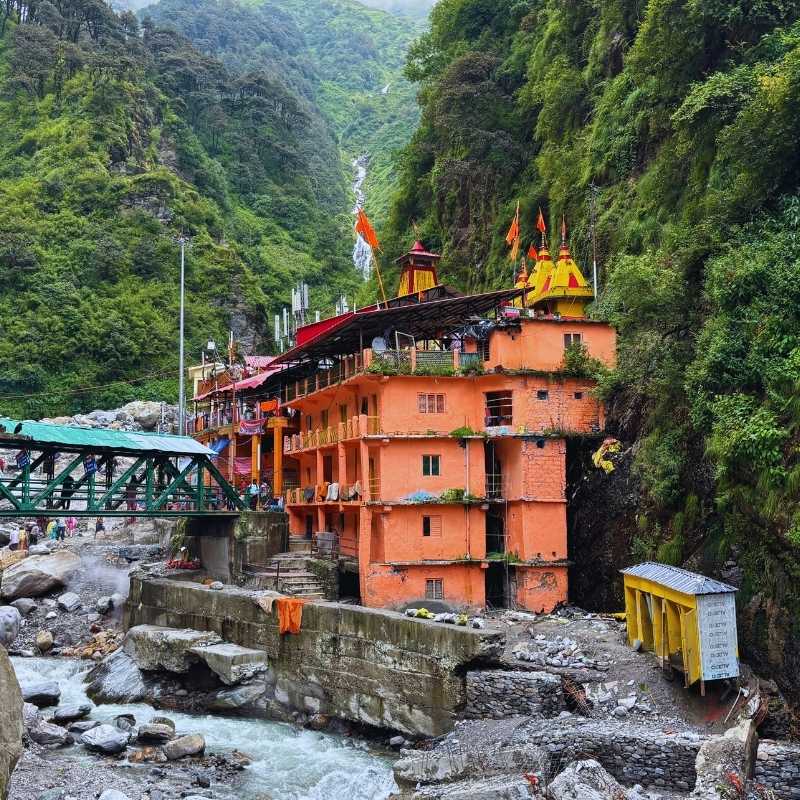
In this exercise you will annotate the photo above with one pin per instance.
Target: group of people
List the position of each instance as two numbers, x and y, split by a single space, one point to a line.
259 497
31 532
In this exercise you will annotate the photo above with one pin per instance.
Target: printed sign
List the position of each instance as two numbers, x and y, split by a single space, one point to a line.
716 615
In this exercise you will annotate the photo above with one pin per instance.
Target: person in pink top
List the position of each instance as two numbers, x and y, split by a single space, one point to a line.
72 524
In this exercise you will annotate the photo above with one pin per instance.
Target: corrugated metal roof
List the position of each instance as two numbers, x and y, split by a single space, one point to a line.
100 438
681 580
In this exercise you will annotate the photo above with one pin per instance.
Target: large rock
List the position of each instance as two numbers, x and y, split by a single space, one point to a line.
230 662
10 620
24 605
146 413
69 601
192 745
44 641
10 721
41 693
113 794
117 679
499 787
245 699
105 739
49 735
155 733
153 647
70 713
585 780
38 575
725 759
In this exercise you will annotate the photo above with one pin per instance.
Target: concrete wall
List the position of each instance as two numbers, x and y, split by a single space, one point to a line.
370 666
224 546
498 693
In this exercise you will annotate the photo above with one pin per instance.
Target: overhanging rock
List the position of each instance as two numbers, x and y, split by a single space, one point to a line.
154 647
232 663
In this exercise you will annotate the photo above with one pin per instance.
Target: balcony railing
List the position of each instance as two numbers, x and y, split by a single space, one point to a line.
322 437
386 362
494 486
348 493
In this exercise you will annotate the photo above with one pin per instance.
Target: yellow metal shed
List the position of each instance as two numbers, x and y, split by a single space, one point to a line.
686 619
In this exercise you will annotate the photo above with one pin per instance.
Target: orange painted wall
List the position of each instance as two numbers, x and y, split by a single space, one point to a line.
537 530
386 586
401 467
400 407
541 589
463 531
539 344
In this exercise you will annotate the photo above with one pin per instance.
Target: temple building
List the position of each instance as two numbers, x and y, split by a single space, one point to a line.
427 436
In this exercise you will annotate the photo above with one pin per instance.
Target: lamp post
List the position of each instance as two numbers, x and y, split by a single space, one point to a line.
181 388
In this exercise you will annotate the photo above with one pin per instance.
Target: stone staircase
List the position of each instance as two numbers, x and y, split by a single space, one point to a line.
288 573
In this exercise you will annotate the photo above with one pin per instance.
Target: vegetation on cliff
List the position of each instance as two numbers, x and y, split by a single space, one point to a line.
682 118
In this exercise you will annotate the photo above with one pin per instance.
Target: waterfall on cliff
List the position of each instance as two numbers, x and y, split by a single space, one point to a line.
362 253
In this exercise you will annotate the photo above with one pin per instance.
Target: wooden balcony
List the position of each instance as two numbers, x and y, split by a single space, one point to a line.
301 496
353 428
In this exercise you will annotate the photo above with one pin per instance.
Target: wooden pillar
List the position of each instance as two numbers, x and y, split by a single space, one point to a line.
278 425
255 457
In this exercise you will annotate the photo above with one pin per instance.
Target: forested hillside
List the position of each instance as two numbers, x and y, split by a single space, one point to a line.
343 58
686 117
119 135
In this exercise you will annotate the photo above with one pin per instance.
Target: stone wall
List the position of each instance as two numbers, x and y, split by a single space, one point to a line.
778 768
367 665
631 753
500 693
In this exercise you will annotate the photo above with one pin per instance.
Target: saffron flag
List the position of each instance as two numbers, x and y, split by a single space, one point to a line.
532 254
512 256
364 227
540 223
513 231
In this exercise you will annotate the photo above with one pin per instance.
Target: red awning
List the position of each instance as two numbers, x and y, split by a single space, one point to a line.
248 383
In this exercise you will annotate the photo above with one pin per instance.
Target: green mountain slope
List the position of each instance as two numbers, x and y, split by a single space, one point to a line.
112 145
345 59
684 115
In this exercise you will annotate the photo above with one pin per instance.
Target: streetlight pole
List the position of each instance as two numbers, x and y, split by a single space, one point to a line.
181 387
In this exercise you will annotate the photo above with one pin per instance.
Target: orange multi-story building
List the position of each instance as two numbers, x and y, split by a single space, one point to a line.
431 435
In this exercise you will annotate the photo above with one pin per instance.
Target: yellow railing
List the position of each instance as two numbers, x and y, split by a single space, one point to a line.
374 489
320 437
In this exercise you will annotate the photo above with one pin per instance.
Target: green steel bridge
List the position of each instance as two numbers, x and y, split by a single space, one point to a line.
53 470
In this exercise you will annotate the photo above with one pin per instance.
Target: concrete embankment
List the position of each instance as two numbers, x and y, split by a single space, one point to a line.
365 665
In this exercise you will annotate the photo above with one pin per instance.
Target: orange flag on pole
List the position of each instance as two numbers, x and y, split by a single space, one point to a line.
513 231
540 223
532 254
364 227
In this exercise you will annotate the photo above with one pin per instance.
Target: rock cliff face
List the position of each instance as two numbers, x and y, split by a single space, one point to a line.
10 722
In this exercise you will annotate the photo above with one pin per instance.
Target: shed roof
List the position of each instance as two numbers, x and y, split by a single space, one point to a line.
73 437
681 580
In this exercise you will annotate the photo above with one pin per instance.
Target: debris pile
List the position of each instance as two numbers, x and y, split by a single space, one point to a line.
103 642
559 651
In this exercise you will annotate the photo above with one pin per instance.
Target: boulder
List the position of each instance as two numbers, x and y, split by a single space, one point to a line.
163 721
117 679
10 620
30 716
24 605
500 787
44 641
49 735
145 413
103 604
113 794
153 732
105 739
41 693
239 698
40 549
191 745
10 721
153 647
69 601
230 662
124 722
82 726
117 600
585 780
38 575
70 713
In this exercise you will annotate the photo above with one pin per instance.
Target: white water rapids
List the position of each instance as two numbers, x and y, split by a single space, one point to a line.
288 763
362 253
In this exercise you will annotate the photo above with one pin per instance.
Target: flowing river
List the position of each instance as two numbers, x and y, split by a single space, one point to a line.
288 763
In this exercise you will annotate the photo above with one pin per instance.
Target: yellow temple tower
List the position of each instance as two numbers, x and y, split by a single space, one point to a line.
417 270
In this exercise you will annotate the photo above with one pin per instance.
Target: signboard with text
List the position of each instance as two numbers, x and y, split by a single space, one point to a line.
716 617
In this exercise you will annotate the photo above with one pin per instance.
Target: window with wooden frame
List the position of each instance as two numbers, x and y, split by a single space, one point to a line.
571 339
434 589
432 526
431 466
499 408
430 403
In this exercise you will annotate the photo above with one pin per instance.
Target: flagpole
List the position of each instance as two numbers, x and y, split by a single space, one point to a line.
380 279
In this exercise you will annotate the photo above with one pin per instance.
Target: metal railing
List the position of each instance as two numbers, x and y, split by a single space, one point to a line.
494 486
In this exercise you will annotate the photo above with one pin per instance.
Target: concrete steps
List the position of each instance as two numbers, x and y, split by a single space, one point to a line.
288 573
298 544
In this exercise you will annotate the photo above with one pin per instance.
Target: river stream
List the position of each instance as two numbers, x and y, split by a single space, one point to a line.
288 763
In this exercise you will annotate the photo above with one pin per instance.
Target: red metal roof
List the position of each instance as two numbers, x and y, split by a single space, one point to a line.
258 362
248 383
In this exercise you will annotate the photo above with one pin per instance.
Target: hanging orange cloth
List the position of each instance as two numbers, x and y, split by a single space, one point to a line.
290 614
